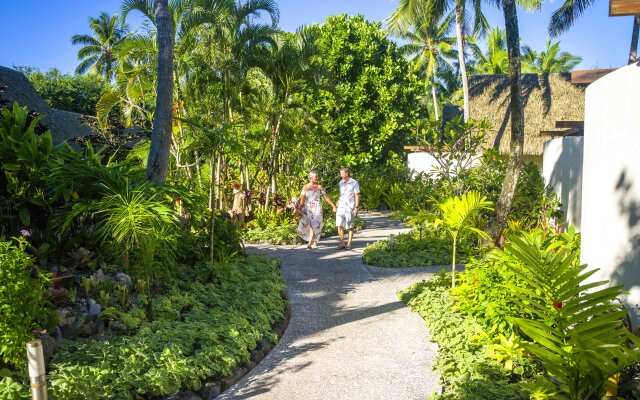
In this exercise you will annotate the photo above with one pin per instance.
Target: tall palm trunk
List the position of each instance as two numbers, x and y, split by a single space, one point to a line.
633 52
461 58
158 162
433 93
516 147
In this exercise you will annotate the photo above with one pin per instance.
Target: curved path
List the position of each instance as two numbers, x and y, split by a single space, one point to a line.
349 336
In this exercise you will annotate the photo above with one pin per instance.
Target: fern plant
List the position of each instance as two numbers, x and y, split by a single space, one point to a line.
577 331
460 217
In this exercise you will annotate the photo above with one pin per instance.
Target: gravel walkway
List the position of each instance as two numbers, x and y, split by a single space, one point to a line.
349 336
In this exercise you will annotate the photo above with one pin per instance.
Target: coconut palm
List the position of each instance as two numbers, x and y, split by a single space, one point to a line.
548 61
564 17
495 60
516 108
430 49
98 51
460 217
414 12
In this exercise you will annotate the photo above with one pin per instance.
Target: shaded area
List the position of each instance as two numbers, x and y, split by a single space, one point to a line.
349 336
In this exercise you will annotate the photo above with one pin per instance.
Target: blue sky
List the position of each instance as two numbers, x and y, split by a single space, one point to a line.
38 33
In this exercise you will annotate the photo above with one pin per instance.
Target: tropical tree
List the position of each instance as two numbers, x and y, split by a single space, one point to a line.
430 49
369 103
516 108
414 12
495 60
564 17
98 52
158 163
548 61
460 218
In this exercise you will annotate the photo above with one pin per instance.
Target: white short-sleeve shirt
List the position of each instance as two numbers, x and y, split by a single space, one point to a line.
348 192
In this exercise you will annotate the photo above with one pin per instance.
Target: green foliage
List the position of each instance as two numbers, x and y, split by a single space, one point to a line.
201 330
460 217
76 93
533 205
466 373
410 250
577 330
369 102
22 302
373 191
24 156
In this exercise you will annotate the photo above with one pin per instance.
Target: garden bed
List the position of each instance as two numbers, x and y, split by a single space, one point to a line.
410 251
201 329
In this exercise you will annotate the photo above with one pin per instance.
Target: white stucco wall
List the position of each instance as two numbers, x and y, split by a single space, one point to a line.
418 162
562 170
611 184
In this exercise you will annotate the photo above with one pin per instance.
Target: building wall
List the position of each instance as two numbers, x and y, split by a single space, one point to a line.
611 184
562 170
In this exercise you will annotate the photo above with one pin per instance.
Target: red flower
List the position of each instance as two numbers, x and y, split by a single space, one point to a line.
475 282
557 305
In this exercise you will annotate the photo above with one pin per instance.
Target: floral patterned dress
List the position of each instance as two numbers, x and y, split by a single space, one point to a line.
311 218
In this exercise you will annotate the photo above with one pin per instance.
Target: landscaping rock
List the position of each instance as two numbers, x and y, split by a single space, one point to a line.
87 329
117 326
123 279
250 365
264 345
48 344
257 356
57 335
94 308
278 332
99 276
210 390
238 372
70 331
100 326
65 316
184 396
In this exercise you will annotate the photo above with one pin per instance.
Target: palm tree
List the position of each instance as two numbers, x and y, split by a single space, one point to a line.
431 49
496 59
414 12
98 51
516 146
158 163
549 61
460 218
571 10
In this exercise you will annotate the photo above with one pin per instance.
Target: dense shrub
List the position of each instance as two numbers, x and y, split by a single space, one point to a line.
22 302
466 372
201 329
410 250
76 93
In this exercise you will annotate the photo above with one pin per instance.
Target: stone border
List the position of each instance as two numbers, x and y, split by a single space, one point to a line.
214 386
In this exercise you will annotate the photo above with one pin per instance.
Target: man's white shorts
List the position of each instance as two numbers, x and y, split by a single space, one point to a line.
344 217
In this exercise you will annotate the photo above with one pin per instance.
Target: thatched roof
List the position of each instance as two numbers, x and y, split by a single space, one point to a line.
547 99
64 125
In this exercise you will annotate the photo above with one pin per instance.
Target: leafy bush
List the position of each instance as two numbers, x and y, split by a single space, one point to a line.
24 155
76 93
23 307
466 372
411 251
577 331
201 330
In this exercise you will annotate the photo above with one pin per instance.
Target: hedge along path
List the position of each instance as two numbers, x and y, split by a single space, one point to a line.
349 336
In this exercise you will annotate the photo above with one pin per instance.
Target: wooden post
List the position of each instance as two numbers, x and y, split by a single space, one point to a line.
391 242
37 373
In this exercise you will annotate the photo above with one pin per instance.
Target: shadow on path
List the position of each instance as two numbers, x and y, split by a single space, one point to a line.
349 336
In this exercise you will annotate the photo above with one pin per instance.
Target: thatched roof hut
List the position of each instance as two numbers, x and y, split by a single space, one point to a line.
547 99
64 125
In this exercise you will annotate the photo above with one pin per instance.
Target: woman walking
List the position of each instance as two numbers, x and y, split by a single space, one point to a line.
310 225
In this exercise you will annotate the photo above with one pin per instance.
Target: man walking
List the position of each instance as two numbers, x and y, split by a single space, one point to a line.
348 206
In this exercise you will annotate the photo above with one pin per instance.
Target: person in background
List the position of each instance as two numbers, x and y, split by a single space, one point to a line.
239 205
348 206
310 225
